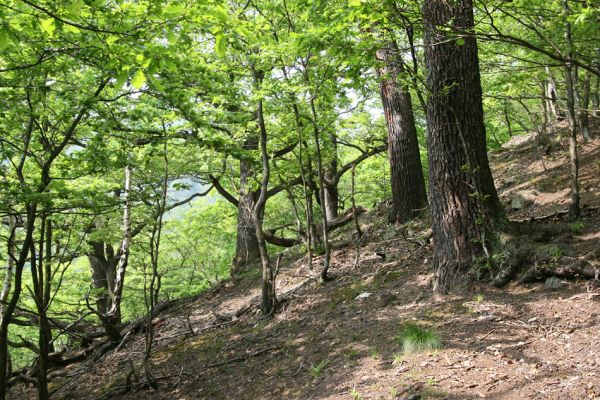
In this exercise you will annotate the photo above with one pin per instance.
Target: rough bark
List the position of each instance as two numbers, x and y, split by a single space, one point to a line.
103 264
247 248
464 202
406 171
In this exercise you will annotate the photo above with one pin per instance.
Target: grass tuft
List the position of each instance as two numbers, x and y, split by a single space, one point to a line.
414 338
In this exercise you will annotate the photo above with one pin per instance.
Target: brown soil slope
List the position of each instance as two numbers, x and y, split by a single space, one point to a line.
536 341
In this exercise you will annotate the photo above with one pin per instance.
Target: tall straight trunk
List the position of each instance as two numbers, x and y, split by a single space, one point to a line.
507 120
406 171
595 95
40 276
544 130
464 202
332 196
584 120
570 79
552 96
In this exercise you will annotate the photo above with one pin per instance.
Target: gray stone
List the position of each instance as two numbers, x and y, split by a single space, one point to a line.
553 283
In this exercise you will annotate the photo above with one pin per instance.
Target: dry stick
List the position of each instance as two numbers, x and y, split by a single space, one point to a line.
242 358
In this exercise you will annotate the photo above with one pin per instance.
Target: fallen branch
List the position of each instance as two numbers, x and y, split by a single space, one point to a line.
242 358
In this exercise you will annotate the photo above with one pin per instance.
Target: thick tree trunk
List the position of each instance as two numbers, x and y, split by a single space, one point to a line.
332 198
406 171
247 248
464 202
103 264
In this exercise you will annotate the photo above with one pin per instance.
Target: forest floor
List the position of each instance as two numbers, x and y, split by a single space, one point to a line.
533 341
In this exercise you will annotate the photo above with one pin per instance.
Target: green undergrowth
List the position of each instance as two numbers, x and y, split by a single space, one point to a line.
415 338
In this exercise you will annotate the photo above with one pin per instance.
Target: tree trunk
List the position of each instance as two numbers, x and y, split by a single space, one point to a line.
596 98
267 302
103 264
408 184
552 97
464 202
584 121
113 315
574 209
247 249
11 305
332 196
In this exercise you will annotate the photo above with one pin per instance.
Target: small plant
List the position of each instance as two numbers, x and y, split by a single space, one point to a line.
352 355
430 381
317 370
478 298
556 254
374 353
355 394
577 226
397 359
415 339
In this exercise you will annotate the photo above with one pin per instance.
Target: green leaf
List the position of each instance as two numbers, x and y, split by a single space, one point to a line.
219 13
138 79
4 40
460 41
121 78
220 45
49 26
172 38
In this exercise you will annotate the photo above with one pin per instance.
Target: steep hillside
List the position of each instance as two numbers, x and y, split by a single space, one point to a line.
339 340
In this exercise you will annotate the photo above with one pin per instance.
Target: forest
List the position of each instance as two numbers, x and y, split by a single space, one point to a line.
311 199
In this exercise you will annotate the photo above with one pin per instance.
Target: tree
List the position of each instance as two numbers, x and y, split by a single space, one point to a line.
464 204
406 171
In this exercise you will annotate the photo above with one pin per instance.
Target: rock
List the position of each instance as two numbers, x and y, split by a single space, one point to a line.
363 296
522 199
553 283
519 140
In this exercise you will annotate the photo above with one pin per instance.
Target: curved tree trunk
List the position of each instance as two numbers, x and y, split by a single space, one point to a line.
406 171
247 248
464 202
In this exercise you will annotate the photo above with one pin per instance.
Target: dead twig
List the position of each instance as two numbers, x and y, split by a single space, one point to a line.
242 358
